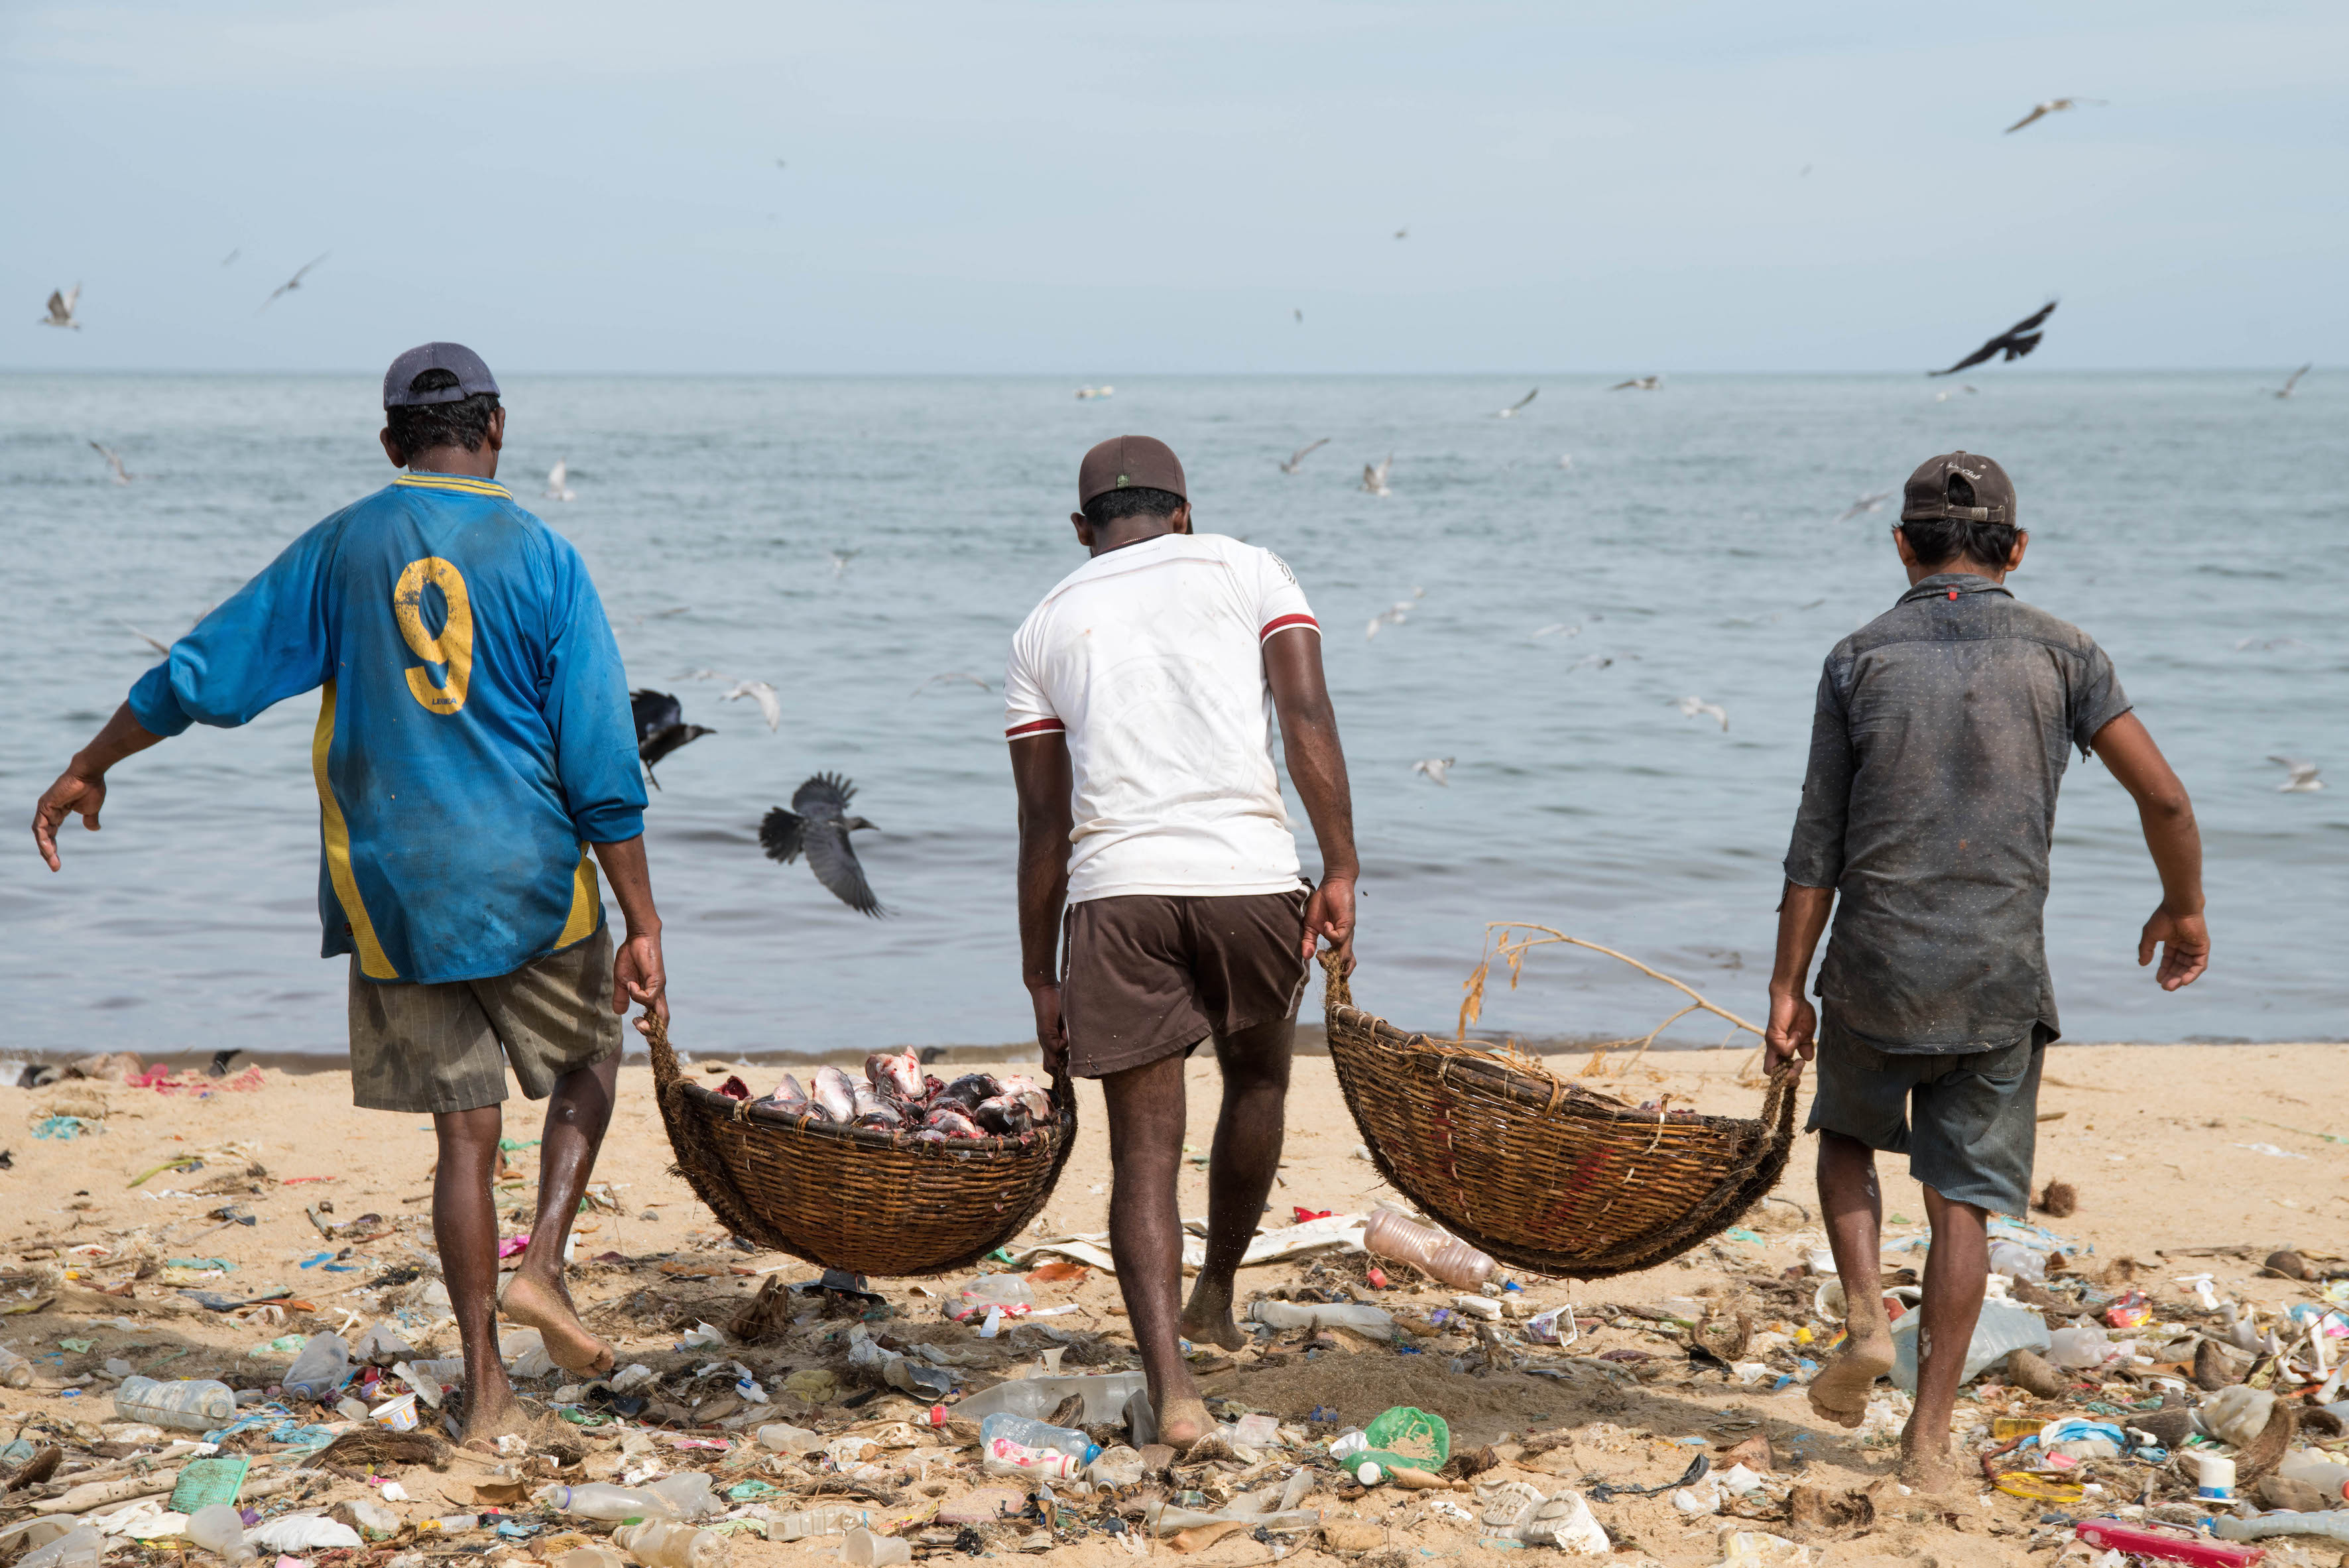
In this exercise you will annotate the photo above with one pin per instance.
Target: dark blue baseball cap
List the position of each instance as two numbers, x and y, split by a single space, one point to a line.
472 375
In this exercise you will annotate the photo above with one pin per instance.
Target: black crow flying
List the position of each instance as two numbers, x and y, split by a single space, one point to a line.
2016 341
660 728
819 824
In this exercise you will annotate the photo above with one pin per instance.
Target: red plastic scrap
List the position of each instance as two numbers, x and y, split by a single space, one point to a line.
2135 1539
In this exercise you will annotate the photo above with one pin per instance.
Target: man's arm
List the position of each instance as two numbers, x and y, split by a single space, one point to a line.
2167 815
1793 1022
1040 768
1317 765
82 786
637 974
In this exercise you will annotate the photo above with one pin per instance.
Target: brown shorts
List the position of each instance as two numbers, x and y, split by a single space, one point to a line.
1145 976
447 1047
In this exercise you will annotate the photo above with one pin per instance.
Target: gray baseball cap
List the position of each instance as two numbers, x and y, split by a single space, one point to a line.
472 375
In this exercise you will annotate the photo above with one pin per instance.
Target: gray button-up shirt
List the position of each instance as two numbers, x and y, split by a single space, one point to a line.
1941 735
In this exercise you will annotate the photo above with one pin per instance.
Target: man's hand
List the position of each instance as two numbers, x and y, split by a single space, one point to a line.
2185 947
1329 912
1050 1031
1793 1026
73 791
637 976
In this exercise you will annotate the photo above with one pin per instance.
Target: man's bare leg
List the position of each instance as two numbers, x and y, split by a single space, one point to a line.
1957 1271
465 1230
1240 1168
576 1115
1854 1209
1145 1234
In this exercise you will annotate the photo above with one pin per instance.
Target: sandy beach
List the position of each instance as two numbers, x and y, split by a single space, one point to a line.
2186 1159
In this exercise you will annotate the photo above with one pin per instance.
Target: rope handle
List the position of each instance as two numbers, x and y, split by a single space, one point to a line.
1335 992
664 1056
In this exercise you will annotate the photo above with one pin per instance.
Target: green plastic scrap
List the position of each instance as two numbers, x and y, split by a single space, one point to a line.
1408 1437
750 1490
209 1480
79 1346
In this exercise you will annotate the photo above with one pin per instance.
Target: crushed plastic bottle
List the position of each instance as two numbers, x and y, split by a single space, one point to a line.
1373 1321
2014 1259
782 1438
1037 1438
2003 1326
2237 1414
669 1543
863 1549
2079 1346
1434 1253
187 1404
689 1494
1003 1457
1106 1397
2319 1469
600 1500
81 1547
321 1369
16 1372
809 1523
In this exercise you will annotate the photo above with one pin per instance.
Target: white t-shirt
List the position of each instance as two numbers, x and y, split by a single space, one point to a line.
1151 658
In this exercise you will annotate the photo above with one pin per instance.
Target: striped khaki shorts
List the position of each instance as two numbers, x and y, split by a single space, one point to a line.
447 1047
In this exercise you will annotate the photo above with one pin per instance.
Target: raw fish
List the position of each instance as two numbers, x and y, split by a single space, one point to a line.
879 1113
952 1122
897 1073
788 1095
969 1089
836 1094
1003 1114
1020 1083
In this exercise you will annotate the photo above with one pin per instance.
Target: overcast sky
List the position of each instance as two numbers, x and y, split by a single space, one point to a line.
1097 190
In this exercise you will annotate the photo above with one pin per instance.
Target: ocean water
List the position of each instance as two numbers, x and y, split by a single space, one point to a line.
1690 548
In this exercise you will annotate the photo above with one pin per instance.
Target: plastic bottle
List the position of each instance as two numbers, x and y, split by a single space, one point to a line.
601 1500
1004 1457
2237 1414
219 1529
321 1369
591 1557
2003 1326
1163 1518
2082 1344
2321 1471
863 1549
689 1494
2015 1259
2333 1522
666 1543
1038 1435
783 1438
81 1547
190 1405
809 1523
1431 1251
16 1372
1373 1321
1106 1397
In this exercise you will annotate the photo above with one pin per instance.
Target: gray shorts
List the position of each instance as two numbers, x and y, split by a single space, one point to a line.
1143 976
446 1047
1969 1123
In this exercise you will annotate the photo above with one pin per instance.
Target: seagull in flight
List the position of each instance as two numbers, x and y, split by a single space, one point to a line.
1690 706
230 260
1872 501
1559 629
2040 111
660 728
61 308
1436 768
2015 341
1586 660
1639 383
290 284
2264 643
1301 454
840 559
1403 233
1511 411
819 824
1374 476
558 482
2302 780
2293 379
1394 615
950 677
760 692
122 476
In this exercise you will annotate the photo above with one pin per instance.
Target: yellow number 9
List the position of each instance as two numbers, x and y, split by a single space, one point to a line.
452 648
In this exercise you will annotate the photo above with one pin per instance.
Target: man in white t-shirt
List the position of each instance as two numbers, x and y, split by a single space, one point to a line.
1141 698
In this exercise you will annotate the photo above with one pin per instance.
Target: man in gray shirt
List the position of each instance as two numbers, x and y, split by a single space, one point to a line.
1941 735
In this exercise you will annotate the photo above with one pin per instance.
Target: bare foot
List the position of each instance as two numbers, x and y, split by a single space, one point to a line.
490 1414
527 1300
1839 1392
1183 1422
1208 1318
1925 1464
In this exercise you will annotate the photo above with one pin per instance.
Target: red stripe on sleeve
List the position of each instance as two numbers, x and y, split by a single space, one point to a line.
1284 623
1040 727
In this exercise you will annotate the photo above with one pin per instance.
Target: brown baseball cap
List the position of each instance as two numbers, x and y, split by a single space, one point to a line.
1958 487
1130 462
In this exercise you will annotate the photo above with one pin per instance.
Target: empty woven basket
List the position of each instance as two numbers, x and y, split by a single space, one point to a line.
853 1198
1544 1174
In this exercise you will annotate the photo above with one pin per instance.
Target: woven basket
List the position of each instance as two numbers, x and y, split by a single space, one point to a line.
1543 1174
853 1198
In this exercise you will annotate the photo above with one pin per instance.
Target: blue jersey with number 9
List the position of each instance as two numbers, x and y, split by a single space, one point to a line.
473 736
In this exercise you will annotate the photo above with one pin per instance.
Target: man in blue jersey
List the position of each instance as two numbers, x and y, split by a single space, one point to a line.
473 746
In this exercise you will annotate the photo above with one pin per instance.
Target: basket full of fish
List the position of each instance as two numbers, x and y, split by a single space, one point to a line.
894 1173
